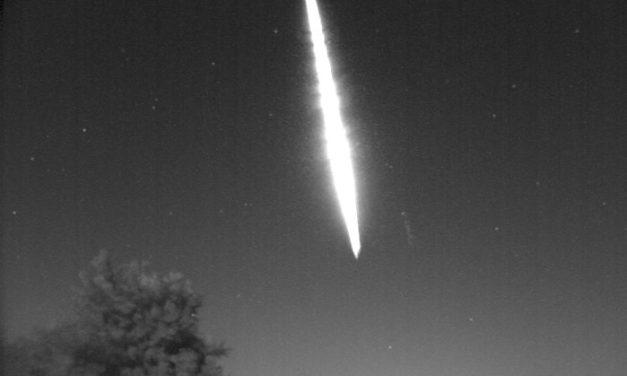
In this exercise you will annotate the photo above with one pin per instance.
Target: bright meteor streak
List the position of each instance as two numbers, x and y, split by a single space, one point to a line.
338 149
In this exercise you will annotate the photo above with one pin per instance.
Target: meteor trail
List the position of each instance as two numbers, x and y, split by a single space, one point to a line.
338 149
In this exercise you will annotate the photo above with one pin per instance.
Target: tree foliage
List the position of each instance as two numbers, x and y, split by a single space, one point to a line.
130 322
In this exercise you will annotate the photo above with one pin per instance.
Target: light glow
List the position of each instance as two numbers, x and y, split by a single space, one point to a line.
338 149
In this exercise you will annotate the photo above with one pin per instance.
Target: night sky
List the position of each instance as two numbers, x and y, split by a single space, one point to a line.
490 143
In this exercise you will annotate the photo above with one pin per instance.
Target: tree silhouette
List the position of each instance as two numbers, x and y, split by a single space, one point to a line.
130 323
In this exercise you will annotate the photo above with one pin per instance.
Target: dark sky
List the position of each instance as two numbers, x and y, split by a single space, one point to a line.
490 143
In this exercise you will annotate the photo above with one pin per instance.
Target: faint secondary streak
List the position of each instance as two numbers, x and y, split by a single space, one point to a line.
338 149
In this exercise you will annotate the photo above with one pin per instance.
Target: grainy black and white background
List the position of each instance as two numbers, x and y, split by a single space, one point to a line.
490 143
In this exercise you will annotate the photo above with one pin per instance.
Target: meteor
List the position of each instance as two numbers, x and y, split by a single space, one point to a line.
338 149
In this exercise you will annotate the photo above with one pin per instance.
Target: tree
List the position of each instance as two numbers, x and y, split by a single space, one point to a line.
130 323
